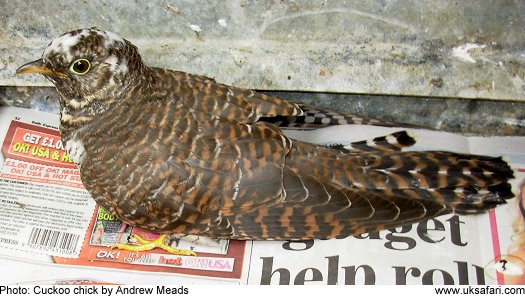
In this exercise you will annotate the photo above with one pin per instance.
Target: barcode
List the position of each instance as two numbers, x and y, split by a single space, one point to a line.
51 239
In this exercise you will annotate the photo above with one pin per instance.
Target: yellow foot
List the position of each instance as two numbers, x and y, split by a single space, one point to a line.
159 242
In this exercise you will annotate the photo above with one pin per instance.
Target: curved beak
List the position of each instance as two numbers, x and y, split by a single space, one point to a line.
37 67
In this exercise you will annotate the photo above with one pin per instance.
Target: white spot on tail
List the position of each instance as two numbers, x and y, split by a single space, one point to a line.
326 120
309 119
488 173
391 140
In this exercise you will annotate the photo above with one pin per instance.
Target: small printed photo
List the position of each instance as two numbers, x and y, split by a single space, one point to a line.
108 230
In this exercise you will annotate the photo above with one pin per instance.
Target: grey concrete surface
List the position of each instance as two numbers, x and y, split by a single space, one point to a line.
465 49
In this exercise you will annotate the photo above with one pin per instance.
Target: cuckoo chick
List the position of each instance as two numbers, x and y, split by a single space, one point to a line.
173 152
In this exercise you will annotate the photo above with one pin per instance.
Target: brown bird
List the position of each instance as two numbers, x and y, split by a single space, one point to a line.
179 153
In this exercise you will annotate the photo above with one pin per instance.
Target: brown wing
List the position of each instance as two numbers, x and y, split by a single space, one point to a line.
191 155
204 95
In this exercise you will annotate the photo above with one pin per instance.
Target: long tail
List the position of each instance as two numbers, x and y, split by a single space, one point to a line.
463 183
314 117
334 194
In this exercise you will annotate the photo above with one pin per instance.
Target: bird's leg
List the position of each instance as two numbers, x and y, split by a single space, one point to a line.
159 242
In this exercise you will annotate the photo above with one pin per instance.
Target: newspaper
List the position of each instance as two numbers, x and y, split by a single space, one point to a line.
49 224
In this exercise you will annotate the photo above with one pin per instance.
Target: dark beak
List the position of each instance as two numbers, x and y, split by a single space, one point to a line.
37 67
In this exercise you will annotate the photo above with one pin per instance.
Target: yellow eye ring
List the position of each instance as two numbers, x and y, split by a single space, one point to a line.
80 66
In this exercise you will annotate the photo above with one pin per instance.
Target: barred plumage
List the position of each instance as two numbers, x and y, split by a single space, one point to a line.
179 153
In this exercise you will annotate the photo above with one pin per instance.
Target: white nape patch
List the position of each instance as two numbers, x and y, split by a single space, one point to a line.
76 151
123 66
112 61
64 43
114 65
110 38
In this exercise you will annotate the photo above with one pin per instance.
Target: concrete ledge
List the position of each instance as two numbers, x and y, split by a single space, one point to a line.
466 49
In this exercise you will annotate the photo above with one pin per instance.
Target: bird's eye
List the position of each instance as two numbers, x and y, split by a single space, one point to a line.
80 66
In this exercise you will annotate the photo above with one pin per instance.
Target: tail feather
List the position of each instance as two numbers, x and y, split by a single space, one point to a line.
314 118
393 142
430 169
463 182
328 193
420 211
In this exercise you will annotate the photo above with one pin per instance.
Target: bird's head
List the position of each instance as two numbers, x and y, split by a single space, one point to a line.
90 68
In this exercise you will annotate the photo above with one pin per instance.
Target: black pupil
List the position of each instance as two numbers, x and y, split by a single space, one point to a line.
81 66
